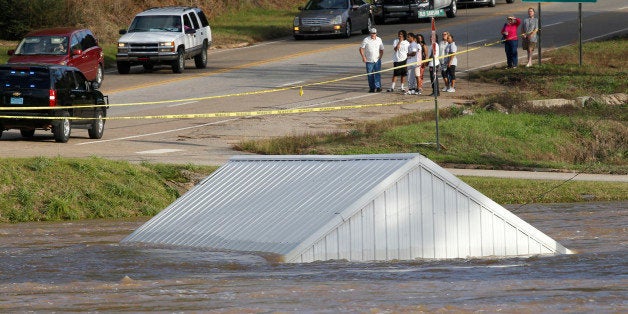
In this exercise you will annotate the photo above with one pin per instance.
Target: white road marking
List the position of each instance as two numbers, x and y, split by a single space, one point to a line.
476 42
290 84
548 25
183 103
156 133
159 151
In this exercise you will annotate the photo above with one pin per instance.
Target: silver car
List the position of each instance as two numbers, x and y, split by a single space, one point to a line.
333 17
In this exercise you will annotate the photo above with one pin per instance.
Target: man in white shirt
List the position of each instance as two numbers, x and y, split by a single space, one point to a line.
413 53
372 50
400 55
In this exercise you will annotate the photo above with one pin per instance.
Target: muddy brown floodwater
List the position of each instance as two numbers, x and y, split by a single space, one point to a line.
80 266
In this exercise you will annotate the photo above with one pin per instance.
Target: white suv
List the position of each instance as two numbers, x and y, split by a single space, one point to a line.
168 35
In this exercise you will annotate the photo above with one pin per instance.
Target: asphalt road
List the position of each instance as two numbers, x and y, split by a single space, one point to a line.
254 79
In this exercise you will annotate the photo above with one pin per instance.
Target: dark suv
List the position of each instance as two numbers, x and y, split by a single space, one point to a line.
65 46
50 97
409 10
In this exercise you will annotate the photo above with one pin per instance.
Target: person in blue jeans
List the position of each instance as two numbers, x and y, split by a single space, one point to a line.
372 50
511 40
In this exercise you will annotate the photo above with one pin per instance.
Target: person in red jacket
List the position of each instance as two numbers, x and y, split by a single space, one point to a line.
511 40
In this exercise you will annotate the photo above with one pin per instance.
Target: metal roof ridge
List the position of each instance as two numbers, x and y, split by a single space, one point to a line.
400 156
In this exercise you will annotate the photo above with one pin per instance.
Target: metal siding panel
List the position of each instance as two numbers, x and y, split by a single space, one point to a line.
308 256
464 237
510 237
523 247
536 247
440 221
427 214
415 213
488 248
344 241
475 230
331 242
380 228
403 200
355 225
392 223
319 251
451 214
499 236
368 233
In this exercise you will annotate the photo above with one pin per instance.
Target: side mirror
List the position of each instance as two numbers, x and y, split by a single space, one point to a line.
77 52
190 31
11 52
122 32
300 8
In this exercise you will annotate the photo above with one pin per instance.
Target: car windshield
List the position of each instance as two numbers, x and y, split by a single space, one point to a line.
25 78
43 45
326 4
156 23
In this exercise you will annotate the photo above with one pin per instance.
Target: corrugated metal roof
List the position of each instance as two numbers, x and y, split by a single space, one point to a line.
365 207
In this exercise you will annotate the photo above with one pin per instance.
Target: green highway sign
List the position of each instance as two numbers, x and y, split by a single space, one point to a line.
431 13
559 1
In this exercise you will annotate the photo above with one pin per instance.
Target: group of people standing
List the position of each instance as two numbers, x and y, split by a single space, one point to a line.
409 53
410 50
510 37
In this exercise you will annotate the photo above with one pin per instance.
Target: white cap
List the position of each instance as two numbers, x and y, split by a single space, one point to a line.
373 31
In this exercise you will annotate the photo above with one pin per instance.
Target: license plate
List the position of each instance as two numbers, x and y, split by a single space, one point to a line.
17 101
315 29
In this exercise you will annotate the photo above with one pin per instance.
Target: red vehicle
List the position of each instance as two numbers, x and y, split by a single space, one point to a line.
64 45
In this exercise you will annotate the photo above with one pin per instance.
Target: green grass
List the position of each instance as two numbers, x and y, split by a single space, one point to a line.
49 189
592 140
522 191
604 71
251 25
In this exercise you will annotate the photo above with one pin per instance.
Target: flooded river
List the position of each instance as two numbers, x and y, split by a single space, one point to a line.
80 266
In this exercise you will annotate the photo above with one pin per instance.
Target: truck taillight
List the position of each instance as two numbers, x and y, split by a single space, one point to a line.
52 98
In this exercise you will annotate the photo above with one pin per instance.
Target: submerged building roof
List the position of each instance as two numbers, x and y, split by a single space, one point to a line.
358 208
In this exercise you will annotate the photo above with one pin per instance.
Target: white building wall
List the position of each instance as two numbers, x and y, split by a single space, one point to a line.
422 216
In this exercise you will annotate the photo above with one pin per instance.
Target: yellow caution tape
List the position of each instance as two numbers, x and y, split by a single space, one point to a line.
258 92
230 114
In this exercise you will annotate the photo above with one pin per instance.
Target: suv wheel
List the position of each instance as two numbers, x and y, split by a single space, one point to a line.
491 3
369 25
200 60
124 67
27 132
62 128
179 64
453 9
100 74
97 127
348 30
